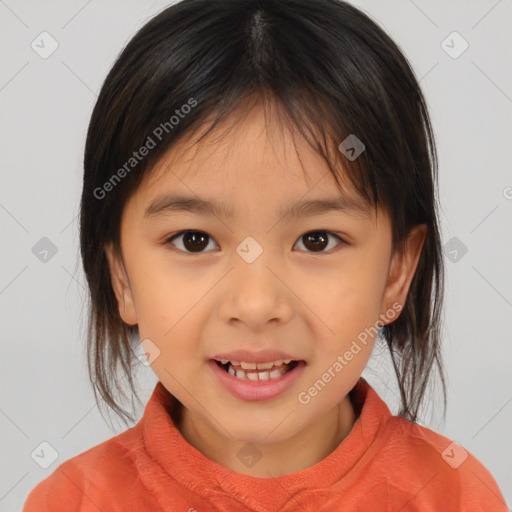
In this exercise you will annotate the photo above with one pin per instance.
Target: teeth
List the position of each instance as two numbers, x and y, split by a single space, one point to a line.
241 374
264 366
242 369
274 374
259 366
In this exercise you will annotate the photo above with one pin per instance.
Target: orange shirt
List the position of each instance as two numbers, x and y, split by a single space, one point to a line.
385 464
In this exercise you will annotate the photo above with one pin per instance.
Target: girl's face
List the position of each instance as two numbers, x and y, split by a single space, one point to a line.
256 279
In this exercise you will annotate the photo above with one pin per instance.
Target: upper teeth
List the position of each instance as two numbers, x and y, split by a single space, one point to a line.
254 366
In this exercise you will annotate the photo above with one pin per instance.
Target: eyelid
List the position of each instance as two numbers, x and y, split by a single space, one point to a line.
168 240
330 233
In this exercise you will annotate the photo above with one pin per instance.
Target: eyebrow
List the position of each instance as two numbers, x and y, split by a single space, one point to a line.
178 203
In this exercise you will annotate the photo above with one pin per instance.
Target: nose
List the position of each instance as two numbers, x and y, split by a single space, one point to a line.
256 294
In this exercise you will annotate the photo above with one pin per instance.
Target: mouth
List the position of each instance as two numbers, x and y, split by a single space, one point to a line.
271 370
257 381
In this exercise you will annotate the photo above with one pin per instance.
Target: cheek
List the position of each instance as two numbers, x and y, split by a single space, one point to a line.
162 291
348 292
346 300
169 311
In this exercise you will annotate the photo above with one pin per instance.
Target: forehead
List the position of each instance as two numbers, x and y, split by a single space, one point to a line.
252 161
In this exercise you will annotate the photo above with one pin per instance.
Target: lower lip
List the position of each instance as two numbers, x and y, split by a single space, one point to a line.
259 389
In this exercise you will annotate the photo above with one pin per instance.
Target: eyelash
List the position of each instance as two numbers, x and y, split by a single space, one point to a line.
170 239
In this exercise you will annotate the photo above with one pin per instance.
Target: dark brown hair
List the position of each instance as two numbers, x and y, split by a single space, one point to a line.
331 71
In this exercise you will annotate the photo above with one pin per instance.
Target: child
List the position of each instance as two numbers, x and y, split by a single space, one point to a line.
258 209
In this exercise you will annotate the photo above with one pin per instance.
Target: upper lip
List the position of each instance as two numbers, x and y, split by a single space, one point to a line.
262 356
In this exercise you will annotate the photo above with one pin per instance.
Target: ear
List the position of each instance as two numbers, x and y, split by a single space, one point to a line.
402 268
121 286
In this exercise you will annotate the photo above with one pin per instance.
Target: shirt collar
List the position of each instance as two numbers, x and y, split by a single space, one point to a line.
183 463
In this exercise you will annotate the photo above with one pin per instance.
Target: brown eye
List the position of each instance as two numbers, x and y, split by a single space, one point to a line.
193 241
317 241
196 241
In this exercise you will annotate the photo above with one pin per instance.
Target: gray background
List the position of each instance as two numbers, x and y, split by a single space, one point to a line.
45 106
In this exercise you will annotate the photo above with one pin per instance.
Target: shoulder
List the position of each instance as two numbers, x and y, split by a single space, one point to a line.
439 469
80 481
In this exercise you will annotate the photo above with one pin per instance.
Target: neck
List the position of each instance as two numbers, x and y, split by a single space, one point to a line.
305 449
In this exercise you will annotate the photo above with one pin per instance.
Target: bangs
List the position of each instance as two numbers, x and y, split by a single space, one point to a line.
306 116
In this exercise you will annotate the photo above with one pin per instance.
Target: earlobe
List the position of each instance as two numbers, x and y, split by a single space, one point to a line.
121 286
403 267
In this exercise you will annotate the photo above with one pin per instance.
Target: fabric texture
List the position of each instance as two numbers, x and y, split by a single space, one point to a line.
386 463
